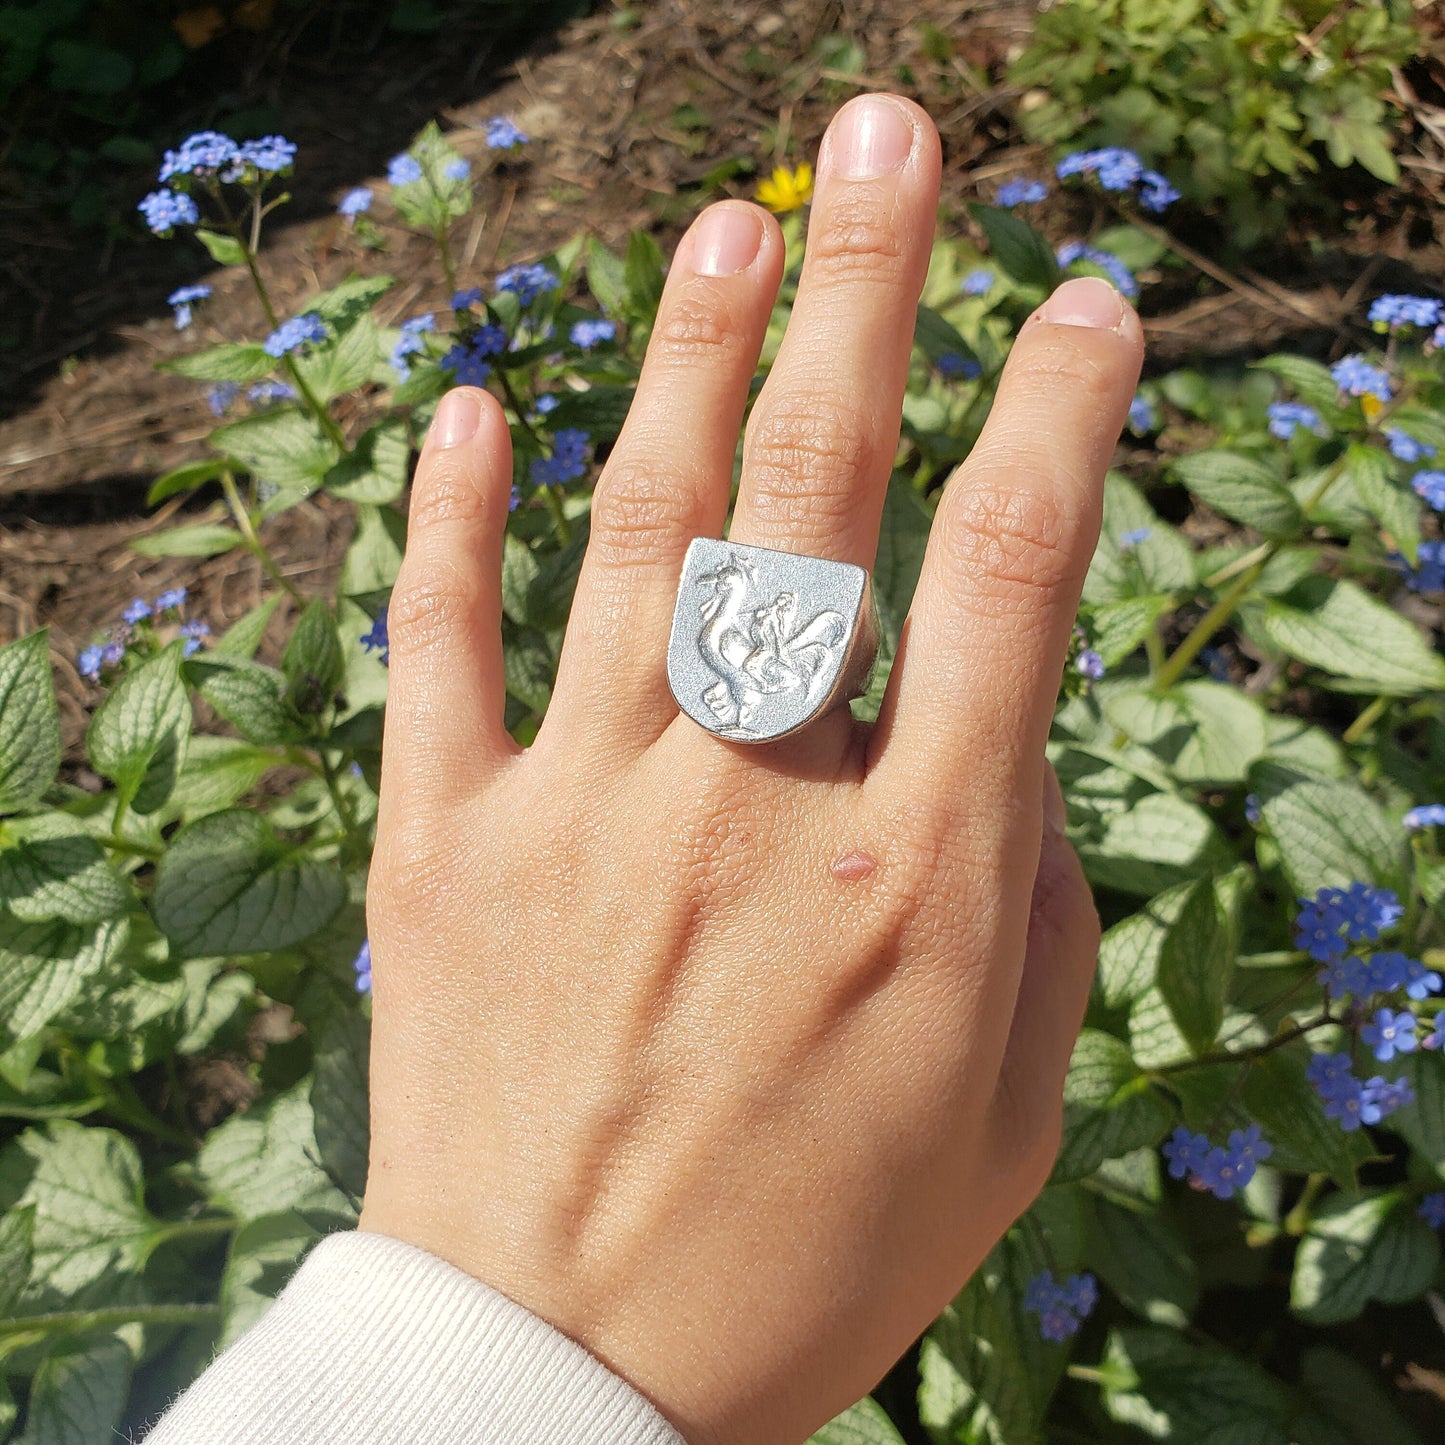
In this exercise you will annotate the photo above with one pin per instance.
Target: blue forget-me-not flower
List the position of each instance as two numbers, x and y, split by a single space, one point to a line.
293 335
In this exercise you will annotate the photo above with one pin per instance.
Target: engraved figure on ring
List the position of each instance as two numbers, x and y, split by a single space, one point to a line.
754 650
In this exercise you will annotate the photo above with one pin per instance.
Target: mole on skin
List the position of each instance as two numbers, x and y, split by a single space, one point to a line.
853 867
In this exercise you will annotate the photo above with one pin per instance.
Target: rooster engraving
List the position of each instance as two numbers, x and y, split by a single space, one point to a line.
755 651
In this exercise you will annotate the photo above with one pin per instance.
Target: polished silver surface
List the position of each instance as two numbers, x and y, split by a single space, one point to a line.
763 642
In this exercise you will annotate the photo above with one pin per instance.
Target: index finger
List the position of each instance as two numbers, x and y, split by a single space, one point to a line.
970 701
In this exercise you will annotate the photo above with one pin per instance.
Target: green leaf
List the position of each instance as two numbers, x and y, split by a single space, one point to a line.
374 557
1117 629
935 335
264 1254
241 362
1329 833
644 270
345 362
219 772
202 539
65 877
227 884
1161 564
1170 1389
1204 731
1360 1248
606 277
1422 1122
44 966
282 447
865 1423
974 1382
1337 626
1196 963
339 1091
902 538
1144 1258
312 661
241 639
1160 841
252 699
1129 952
1110 1107
17 1247
263 1162
184 478
377 469
138 735
1394 506
343 305
1351 1399
1309 381
1279 1096
78 1393
1019 249
600 410
91 1223
225 250
529 665
1243 488
29 722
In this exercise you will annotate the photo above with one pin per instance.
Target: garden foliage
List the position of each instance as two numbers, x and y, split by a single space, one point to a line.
1239 102
1249 735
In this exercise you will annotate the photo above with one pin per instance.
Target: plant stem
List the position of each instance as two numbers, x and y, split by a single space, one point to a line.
127 845
444 250
1200 634
339 802
196 1228
1366 720
123 1103
253 543
84 1321
559 517
1297 1221
1239 1055
515 402
313 402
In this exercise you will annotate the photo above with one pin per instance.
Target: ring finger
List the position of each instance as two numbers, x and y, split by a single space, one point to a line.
822 436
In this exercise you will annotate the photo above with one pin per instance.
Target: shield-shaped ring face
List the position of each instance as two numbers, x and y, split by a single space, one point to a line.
763 642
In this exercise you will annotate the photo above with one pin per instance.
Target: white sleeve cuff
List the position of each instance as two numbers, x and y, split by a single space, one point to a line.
375 1342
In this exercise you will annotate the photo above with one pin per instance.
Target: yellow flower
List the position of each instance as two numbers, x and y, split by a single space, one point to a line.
1372 406
787 190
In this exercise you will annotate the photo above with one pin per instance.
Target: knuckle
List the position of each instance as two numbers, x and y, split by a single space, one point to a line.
804 462
1018 537
862 241
637 514
426 609
447 495
697 325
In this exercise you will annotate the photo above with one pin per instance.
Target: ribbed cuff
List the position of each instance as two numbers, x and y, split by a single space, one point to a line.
375 1341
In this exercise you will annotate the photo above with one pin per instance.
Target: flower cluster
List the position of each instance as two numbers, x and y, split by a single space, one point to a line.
567 462
410 342
361 966
468 359
1336 917
1118 169
1020 193
1429 574
1405 448
503 135
1430 487
527 282
1286 417
1106 261
1427 815
295 334
1394 312
376 640
1355 376
1432 1209
182 299
954 365
1222 1170
100 657
209 156
1352 977
355 202
165 210
588 334
1142 416
978 282
1353 1102
1061 1306
403 170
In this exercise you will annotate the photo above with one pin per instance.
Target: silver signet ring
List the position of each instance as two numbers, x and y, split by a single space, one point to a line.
764 642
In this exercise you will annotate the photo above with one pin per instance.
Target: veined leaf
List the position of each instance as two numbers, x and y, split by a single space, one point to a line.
44 966
29 722
139 734
1241 487
1196 962
282 447
66 877
865 1423
1110 1107
1019 249
78 1392
203 539
1279 1096
241 362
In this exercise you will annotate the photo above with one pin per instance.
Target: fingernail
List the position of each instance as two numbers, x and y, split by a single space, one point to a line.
728 240
1056 812
1084 301
457 418
870 137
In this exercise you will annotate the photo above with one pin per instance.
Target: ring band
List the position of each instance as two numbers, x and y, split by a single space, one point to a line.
765 642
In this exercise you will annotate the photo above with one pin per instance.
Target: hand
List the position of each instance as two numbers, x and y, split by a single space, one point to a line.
733 1062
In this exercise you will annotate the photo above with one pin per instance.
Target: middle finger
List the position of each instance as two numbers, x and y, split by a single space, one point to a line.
823 434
